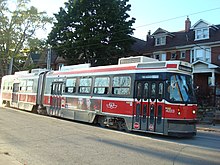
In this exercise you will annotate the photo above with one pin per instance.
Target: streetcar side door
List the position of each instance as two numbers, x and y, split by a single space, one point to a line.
141 103
148 106
56 98
156 106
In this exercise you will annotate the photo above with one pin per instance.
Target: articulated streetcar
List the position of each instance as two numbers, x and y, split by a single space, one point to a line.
138 94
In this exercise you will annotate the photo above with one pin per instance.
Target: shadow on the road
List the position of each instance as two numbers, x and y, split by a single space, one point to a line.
202 139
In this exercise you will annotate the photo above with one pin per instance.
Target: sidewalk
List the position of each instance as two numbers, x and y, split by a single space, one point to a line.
208 127
7 159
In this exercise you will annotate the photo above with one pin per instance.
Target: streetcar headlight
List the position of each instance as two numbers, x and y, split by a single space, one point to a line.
194 111
178 113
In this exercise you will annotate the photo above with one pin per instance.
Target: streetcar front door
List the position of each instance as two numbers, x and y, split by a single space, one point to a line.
148 109
15 95
15 92
56 98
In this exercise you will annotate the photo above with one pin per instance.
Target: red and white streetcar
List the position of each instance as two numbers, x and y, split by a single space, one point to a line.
138 94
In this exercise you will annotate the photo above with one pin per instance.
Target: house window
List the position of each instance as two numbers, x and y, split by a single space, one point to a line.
173 55
160 57
203 54
210 81
199 54
207 55
183 54
163 57
160 41
202 34
219 57
157 56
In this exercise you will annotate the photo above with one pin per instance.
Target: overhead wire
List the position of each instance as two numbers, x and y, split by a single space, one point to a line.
170 19
157 22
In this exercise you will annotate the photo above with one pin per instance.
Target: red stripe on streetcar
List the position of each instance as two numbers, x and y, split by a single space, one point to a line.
171 65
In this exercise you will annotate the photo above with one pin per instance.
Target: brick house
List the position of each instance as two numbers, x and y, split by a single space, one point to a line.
198 44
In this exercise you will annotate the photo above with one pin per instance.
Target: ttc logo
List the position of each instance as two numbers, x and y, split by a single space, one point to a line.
111 105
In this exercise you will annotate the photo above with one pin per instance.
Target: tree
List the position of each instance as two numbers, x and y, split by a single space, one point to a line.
15 28
92 31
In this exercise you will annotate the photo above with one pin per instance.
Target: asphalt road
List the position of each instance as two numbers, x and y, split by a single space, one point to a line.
34 139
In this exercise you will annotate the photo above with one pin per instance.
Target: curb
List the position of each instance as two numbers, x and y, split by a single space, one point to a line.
208 129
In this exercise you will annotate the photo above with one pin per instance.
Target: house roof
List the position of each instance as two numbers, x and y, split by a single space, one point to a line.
180 39
160 31
138 46
204 23
210 66
35 57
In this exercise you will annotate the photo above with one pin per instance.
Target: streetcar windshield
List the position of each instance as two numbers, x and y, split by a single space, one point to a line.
180 89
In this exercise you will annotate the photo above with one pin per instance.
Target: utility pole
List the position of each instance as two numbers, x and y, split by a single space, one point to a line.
10 66
11 62
49 58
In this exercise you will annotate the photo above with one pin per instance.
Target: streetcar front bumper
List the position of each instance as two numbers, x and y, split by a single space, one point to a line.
181 128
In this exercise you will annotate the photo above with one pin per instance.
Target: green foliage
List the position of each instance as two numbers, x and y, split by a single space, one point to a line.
16 27
37 45
92 31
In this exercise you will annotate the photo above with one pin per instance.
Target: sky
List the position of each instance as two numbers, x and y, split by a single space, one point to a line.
169 15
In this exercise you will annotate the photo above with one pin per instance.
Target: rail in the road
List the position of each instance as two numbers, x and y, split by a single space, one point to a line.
209 127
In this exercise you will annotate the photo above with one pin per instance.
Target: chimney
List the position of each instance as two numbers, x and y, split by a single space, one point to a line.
187 24
148 35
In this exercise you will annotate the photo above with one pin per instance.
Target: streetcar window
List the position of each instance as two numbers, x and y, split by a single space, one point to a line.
153 90
30 84
15 87
146 91
54 89
101 85
10 85
70 85
121 85
139 91
160 92
60 88
5 85
85 85
23 85
174 89
180 88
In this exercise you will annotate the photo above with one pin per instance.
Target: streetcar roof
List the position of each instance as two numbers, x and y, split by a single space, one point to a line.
133 67
144 64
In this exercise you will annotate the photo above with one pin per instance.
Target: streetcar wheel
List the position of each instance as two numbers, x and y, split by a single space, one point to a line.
122 126
101 122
